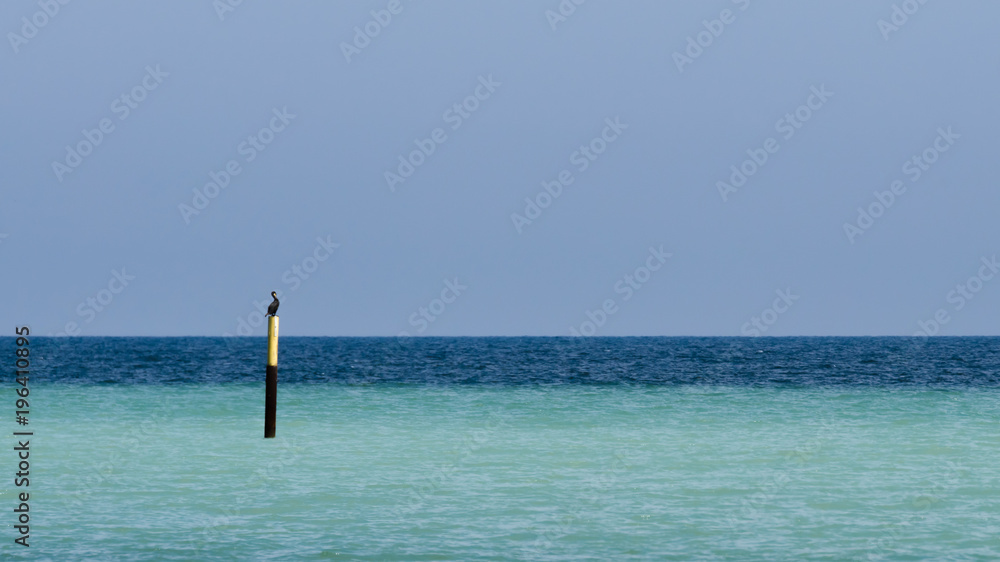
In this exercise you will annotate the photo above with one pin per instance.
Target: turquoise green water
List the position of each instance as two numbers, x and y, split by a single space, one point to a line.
459 473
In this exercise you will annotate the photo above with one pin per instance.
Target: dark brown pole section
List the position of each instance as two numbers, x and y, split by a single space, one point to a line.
271 400
271 393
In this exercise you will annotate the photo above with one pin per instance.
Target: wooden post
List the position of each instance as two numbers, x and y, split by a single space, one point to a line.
271 392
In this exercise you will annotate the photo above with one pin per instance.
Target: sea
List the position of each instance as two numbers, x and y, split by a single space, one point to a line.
506 449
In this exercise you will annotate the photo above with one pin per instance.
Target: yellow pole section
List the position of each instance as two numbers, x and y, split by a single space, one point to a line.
272 341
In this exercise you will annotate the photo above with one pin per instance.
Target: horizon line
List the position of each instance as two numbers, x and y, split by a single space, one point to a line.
521 336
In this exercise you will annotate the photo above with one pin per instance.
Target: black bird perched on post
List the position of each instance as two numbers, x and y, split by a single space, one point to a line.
273 309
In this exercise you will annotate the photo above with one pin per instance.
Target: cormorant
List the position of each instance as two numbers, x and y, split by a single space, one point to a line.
273 309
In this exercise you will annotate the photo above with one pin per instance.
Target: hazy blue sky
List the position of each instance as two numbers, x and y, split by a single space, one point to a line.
103 229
